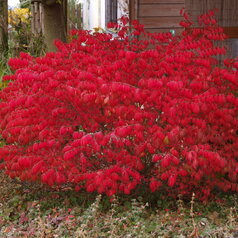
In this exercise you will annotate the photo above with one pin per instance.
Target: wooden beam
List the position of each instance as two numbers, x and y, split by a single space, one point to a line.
231 32
161 22
161 1
177 30
133 9
50 2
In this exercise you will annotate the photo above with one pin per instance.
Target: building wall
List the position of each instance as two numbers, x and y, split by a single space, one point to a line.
94 13
164 16
226 10
102 14
158 15
226 14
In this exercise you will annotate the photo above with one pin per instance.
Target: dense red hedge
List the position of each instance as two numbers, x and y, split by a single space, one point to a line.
107 114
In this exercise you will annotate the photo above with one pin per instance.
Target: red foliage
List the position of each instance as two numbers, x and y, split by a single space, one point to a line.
107 114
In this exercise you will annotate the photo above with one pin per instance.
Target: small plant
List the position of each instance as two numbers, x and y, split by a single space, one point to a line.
4 69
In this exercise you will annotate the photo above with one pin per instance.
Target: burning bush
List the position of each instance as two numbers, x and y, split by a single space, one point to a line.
108 114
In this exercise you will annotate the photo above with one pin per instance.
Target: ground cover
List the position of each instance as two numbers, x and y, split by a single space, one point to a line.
28 210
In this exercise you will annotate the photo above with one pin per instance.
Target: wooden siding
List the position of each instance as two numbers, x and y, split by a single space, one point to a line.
165 14
226 13
161 22
227 10
156 30
227 18
161 10
157 15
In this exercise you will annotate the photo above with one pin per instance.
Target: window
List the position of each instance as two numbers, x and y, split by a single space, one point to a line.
111 11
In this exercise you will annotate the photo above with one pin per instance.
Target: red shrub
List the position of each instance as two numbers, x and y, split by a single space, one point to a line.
108 114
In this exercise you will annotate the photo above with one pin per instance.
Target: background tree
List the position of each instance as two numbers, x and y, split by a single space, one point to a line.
3 27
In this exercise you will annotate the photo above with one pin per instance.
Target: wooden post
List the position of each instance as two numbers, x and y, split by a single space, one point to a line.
37 17
41 18
133 8
55 22
80 25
